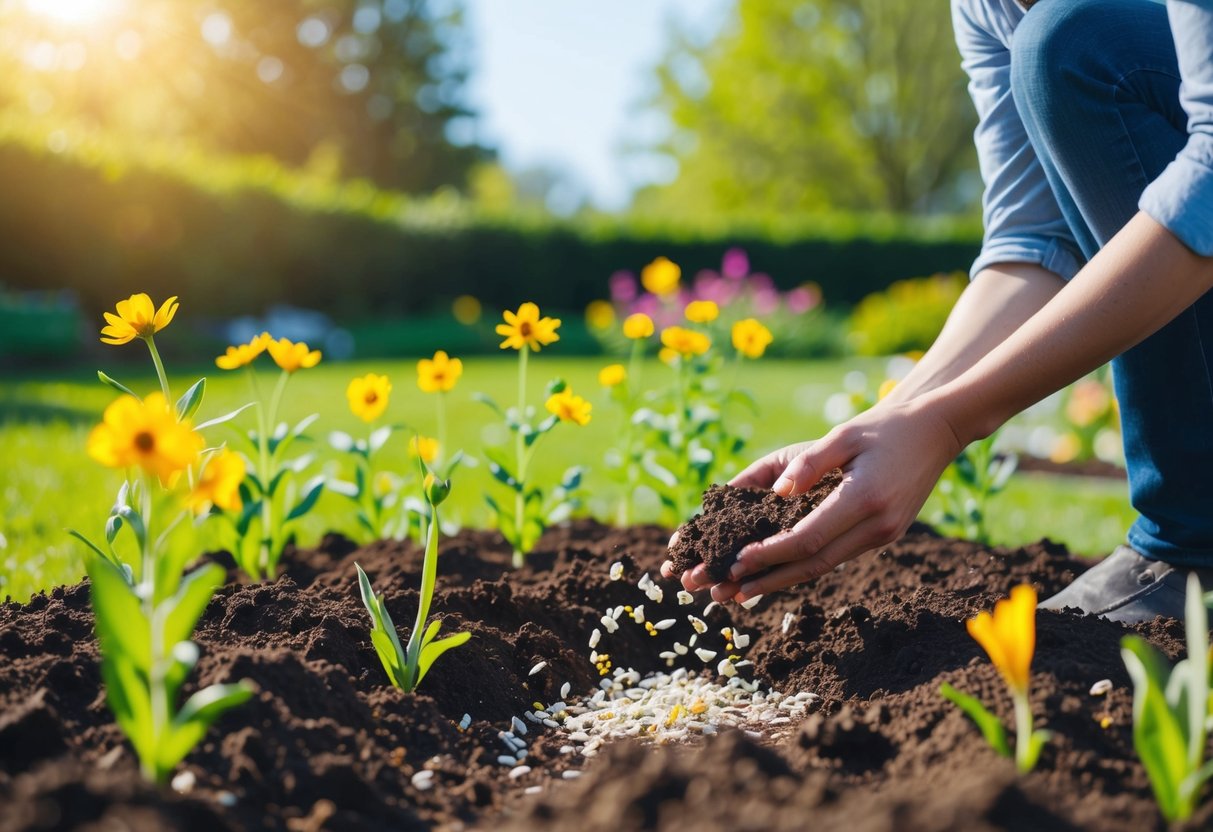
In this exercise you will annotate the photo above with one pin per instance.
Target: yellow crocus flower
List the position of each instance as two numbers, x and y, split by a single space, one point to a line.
219 483
525 329
368 396
147 434
599 314
240 355
568 407
612 375
292 356
685 342
661 276
702 311
637 326
137 317
425 447
438 374
1009 636
751 338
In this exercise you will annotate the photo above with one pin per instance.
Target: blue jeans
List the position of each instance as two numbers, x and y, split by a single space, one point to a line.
1097 86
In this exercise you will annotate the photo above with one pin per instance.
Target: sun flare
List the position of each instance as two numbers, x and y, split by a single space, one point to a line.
75 12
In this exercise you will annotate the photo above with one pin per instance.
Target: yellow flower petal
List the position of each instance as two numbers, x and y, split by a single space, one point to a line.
368 396
526 329
637 326
1009 636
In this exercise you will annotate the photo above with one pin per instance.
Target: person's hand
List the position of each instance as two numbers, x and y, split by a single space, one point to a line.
891 458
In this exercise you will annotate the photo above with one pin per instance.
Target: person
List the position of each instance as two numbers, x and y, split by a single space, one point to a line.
1095 143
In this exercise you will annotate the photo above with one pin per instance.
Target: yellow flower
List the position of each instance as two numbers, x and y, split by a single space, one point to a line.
667 356
612 375
599 314
438 374
1066 449
661 276
751 338
568 407
368 396
525 329
425 447
702 311
637 326
292 356
219 483
146 434
466 310
137 318
886 387
1089 401
685 342
242 354
1009 635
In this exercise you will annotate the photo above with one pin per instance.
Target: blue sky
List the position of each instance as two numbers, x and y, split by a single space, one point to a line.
557 81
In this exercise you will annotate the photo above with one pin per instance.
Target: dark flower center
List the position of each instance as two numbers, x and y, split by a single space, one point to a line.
371 397
145 441
524 329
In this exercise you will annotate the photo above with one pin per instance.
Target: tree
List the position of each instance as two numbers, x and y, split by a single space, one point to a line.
804 105
371 88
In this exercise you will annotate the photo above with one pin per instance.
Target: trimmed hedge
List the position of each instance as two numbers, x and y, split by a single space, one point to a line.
104 228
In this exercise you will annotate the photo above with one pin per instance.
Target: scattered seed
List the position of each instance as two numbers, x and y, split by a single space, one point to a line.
567 749
1101 687
538 667
551 723
555 707
609 624
570 774
788 620
708 609
184 782
507 760
741 640
705 656
691 641
1105 722
645 582
533 790
638 614
665 624
685 598
465 722
726 668
618 611
680 649
518 771
540 716
595 636
225 799
698 623
616 570
753 602
518 725
565 689
655 593
424 779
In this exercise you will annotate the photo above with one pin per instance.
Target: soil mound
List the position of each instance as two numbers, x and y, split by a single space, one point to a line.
328 744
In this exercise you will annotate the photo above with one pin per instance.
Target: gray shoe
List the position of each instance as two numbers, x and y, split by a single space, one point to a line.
1128 588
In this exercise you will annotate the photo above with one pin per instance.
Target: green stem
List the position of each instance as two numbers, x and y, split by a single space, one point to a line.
1023 731
442 449
151 347
429 576
157 691
263 464
267 558
520 453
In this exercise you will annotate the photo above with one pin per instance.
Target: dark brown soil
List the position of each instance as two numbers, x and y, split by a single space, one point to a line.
1086 468
733 517
327 744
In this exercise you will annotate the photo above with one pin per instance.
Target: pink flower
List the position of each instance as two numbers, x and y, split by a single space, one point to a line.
735 264
760 282
803 298
623 286
765 301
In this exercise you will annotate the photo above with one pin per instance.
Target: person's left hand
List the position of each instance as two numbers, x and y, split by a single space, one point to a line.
891 457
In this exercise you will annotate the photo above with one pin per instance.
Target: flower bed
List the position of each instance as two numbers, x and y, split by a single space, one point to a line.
326 742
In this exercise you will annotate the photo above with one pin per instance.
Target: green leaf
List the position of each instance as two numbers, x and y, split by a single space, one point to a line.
1157 735
431 631
252 508
311 494
654 469
503 476
128 696
383 630
182 611
190 724
488 400
187 405
122 628
540 429
987 723
226 417
392 661
431 652
1036 743
117 385
90 545
379 437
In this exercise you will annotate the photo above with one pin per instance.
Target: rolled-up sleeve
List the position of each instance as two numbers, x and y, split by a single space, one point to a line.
1181 199
1021 218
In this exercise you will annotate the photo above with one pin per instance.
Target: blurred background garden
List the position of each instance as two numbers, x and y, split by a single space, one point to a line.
380 178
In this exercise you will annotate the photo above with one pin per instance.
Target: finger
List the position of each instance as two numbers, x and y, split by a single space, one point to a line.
842 510
667 569
858 540
762 472
696 578
723 592
807 467
673 541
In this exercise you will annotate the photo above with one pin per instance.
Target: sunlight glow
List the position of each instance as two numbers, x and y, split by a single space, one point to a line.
75 12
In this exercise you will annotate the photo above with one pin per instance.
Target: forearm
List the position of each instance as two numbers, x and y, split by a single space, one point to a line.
1142 279
995 304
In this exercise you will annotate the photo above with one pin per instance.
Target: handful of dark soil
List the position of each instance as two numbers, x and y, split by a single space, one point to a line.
733 517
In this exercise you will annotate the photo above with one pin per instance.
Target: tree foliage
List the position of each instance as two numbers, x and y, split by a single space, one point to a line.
353 88
802 105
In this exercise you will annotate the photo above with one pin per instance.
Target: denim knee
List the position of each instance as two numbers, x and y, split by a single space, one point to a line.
1049 44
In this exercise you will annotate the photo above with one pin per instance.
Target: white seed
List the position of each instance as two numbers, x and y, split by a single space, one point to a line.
754 735
579 736
664 624
424 779
655 593
1101 687
618 611
184 782
741 640
668 655
788 620
698 623
680 649
567 749
694 638
532 717
705 656
645 581
465 722
609 624
555 707
708 609
685 598
540 716
570 774
725 668
507 760
594 638
518 771
532 790
565 689
518 725
753 602
616 570
537 667
551 723
638 614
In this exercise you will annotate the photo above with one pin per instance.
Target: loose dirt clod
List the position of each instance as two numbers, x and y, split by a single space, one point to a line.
733 517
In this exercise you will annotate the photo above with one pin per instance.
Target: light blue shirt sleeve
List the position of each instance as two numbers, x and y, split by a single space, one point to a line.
1021 218
1181 199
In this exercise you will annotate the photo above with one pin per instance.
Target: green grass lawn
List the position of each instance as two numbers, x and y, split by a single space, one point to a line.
50 485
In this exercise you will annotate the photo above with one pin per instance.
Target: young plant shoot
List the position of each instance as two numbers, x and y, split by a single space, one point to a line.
969 483
407 666
260 526
1171 711
523 522
1009 638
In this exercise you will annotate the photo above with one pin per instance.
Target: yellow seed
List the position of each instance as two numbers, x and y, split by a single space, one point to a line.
698 706
537 705
1105 722
627 609
653 633
653 728
675 713
606 716
728 645
734 657
727 632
